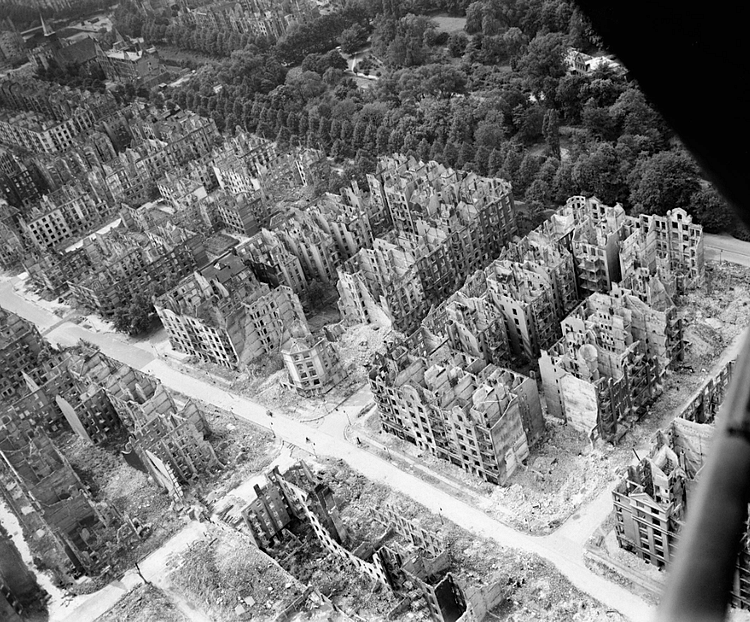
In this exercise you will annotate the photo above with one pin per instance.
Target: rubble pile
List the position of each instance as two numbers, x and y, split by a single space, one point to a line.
243 448
535 589
129 490
230 579
562 474
144 603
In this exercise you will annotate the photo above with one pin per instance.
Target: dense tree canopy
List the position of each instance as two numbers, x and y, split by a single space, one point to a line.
496 98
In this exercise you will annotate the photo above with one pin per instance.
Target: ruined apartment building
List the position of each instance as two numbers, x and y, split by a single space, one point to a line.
70 532
166 441
243 214
99 398
12 251
551 259
179 183
595 244
660 484
51 271
513 305
413 566
327 233
471 323
64 215
22 353
223 315
668 247
317 249
247 163
527 301
381 286
653 500
414 190
610 362
347 217
272 262
452 222
41 403
590 231
644 252
312 362
479 417
18 585
130 264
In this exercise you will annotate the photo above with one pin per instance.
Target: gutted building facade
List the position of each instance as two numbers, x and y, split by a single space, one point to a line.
480 417
22 354
62 523
312 363
131 264
610 362
382 286
223 315
654 499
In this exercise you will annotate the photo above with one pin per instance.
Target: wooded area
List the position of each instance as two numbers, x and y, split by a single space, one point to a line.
496 99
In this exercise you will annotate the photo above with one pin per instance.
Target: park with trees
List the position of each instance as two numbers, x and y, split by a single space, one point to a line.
495 98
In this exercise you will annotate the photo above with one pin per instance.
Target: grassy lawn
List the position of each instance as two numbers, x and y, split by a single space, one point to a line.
449 24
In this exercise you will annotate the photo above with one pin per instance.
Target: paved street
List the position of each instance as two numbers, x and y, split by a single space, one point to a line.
564 548
155 569
727 248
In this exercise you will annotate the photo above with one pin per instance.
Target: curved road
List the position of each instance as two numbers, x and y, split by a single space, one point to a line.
564 548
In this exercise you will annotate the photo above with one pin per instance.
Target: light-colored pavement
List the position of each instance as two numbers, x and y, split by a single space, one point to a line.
727 248
564 548
155 569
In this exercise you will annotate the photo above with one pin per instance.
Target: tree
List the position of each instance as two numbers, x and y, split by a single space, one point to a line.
551 131
542 65
527 171
141 312
663 182
381 142
598 120
135 318
352 39
466 155
317 292
474 17
495 162
450 154
481 159
600 173
563 186
515 44
711 210
457 43
634 116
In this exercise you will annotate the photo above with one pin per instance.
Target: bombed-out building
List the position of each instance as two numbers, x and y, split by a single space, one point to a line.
653 500
610 362
668 247
412 563
132 264
312 362
62 522
23 352
224 315
381 286
480 417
